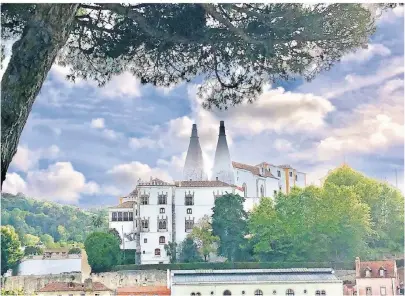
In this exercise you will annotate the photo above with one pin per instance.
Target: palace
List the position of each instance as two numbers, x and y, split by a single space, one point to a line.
158 212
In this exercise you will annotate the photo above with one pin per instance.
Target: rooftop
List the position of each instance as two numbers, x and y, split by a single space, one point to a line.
145 290
255 170
124 205
254 275
202 184
375 266
69 286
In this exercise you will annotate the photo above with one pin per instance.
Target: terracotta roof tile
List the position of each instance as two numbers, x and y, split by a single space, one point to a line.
56 250
125 204
374 266
202 184
253 169
66 286
143 290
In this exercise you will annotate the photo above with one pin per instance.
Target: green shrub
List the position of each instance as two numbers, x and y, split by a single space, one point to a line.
75 251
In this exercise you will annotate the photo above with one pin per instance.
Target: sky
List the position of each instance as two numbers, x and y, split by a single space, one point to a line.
86 145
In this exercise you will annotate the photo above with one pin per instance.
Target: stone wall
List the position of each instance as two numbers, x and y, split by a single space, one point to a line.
112 280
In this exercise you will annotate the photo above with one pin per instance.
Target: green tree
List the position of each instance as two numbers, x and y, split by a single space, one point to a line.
171 251
235 48
30 240
75 251
99 221
32 250
11 252
229 223
188 252
203 237
47 240
103 251
17 292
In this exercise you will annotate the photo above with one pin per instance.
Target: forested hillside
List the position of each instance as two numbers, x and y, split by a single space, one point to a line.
51 223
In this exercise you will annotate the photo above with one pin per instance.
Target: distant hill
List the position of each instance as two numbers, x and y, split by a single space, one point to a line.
63 223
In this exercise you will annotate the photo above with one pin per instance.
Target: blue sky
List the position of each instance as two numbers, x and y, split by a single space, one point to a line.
87 145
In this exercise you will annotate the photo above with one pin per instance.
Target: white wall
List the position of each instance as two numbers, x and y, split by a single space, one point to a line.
126 226
152 211
331 289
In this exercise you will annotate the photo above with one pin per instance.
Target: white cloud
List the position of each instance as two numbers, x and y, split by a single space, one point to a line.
26 159
365 54
283 145
126 175
391 15
14 184
59 182
97 123
138 143
124 86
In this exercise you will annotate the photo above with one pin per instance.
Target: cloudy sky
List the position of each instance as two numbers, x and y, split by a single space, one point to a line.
87 145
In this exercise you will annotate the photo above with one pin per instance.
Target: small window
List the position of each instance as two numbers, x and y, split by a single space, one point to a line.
162 225
368 291
289 292
198 294
189 201
114 216
279 174
258 293
162 210
162 199
143 252
145 224
216 178
162 240
131 216
192 294
318 293
189 211
119 216
145 240
97 294
305 291
275 192
383 291
227 293
126 216
157 252
296 177
189 225
382 272
274 292
243 292
144 199
212 292
290 174
323 292
368 273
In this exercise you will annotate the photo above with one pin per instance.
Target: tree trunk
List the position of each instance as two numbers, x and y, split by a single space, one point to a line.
32 58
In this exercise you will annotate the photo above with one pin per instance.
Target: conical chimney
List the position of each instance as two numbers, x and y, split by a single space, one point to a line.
223 170
194 166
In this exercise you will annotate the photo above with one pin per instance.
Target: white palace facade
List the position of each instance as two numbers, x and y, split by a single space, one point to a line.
158 212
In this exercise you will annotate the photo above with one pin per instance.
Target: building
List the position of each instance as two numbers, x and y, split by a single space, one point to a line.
56 253
75 289
157 212
377 278
143 291
257 282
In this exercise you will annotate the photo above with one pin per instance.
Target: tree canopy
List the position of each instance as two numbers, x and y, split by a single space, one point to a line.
234 48
188 251
11 253
203 237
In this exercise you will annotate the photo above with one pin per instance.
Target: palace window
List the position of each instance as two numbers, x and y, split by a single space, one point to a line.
189 225
114 216
289 292
189 199
318 293
131 216
119 216
145 225
323 293
162 225
145 199
296 177
368 291
157 252
227 293
162 199
189 211
383 291
126 216
162 240
290 174
279 174
258 293
145 240
162 210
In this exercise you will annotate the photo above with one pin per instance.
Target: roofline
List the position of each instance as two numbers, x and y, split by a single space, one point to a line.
239 271
337 281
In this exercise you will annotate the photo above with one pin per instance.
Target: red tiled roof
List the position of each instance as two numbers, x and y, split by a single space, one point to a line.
145 290
125 204
285 166
202 184
253 169
374 266
64 286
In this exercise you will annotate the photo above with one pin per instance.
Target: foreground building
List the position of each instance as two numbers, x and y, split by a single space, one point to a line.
157 212
75 289
257 282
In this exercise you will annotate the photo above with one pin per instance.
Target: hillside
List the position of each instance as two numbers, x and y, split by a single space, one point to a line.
42 219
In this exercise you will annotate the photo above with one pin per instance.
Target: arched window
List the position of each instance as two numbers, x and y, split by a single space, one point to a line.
323 293
289 292
318 293
227 293
162 240
261 191
157 252
198 294
192 294
244 190
258 293
164 224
